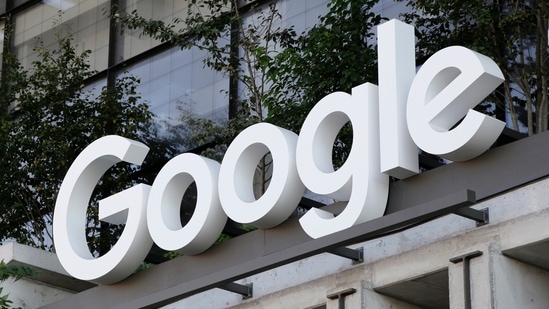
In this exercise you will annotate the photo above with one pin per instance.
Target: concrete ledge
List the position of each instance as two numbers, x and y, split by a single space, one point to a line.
527 240
45 263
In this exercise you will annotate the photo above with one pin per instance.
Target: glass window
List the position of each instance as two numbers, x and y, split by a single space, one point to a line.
95 88
85 20
302 14
175 82
133 43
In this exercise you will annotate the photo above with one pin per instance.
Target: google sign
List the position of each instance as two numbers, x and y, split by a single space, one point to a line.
389 121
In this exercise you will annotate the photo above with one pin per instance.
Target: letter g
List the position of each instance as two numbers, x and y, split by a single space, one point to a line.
69 219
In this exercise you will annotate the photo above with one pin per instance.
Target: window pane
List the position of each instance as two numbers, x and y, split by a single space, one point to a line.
95 88
85 20
133 43
176 83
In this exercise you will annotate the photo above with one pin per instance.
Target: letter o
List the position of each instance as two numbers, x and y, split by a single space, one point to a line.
163 209
237 170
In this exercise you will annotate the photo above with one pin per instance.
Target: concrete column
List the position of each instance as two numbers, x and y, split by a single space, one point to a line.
498 282
480 279
519 285
346 296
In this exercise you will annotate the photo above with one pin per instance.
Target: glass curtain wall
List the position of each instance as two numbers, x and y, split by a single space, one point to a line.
174 82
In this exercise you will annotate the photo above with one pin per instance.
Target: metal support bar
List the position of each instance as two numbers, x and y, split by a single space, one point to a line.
466 274
357 255
481 216
340 296
246 290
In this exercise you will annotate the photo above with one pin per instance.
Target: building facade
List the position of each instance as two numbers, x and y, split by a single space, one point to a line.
432 249
465 235
449 261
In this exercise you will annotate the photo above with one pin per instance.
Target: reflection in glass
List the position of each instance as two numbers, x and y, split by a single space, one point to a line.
85 20
177 85
132 43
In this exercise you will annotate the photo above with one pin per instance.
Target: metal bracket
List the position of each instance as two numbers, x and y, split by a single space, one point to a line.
481 216
246 290
466 274
356 255
340 296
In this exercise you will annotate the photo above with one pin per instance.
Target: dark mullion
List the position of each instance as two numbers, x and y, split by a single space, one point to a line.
12 7
113 35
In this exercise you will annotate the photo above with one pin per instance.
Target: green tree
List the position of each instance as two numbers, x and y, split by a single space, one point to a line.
237 46
283 74
512 32
335 55
52 117
16 272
